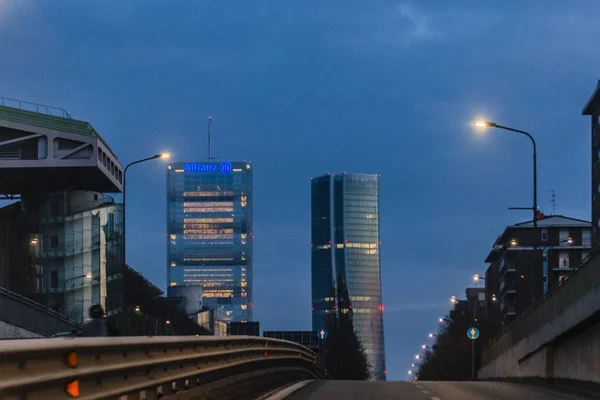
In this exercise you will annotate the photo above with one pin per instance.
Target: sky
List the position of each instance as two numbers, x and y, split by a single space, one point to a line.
303 88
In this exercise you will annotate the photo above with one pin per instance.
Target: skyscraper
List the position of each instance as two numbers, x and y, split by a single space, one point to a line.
209 233
345 245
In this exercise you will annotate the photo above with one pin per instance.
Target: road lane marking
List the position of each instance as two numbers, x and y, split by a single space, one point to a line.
426 392
435 398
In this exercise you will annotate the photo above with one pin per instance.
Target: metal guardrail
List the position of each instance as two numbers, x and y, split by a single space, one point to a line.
38 108
151 367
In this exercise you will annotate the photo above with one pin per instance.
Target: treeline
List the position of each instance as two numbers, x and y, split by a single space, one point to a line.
342 351
449 358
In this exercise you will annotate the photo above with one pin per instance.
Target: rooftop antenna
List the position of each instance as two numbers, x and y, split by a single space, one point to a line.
209 137
553 201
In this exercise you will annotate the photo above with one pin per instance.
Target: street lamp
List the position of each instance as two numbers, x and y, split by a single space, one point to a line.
417 357
164 156
545 251
483 124
453 300
477 278
87 276
431 335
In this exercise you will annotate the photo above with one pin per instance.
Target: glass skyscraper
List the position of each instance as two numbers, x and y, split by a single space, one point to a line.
209 233
345 245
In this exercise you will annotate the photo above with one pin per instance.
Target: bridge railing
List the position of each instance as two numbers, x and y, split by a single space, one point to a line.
152 367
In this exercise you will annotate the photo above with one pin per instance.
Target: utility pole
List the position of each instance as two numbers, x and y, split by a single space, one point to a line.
209 137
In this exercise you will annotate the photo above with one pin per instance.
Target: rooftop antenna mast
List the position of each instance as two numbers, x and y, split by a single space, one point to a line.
209 137
553 201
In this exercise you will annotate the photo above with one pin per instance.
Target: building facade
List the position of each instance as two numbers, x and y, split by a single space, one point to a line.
209 233
526 263
345 246
592 108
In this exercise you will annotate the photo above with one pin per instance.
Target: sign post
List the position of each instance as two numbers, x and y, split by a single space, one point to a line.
473 334
322 334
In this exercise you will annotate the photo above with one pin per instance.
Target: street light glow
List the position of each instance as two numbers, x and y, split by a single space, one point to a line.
33 241
431 335
514 242
570 240
483 124
409 372
88 275
441 320
424 346
476 278
165 156
417 356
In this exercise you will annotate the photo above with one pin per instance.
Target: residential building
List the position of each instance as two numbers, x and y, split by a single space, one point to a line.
345 247
209 233
592 108
525 263
476 301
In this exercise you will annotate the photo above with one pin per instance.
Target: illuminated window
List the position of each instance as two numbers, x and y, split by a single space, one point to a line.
244 307
339 245
244 284
173 283
206 210
237 170
173 264
243 236
210 220
326 246
173 237
208 204
206 194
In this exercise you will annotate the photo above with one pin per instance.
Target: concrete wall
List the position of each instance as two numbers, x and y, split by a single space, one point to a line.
8 331
557 338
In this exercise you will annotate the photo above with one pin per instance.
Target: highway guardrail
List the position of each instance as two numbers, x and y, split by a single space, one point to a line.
172 367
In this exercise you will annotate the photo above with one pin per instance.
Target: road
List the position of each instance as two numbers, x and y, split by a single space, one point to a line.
353 390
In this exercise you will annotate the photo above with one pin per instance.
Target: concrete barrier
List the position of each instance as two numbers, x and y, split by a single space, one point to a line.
556 338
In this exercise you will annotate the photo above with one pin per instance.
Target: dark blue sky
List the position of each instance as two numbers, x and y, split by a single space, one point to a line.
302 88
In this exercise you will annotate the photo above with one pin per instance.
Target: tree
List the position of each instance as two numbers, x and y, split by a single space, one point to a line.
344 354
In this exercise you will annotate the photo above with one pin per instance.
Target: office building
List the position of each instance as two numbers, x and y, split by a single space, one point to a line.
209 234
345 246
307 339
61 243
592 108
526 263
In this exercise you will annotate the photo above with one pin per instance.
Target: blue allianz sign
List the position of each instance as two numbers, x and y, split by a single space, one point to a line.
224 167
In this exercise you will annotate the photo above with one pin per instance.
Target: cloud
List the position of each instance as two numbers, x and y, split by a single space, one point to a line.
407 24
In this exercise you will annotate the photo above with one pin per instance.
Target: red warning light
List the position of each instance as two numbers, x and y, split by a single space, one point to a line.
385 372
334 307
312 245
313 309
381 307
350 307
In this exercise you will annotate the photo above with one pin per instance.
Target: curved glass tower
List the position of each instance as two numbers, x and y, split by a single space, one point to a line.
345 244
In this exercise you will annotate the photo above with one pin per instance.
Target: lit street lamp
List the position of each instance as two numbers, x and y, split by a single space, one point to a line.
431 335
164 156
483 124
417 357
477 278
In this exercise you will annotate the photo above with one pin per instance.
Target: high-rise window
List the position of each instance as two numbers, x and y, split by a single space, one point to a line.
209 234
345 245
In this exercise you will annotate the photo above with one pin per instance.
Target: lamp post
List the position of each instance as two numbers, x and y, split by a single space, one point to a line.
483 124
164 156
88 276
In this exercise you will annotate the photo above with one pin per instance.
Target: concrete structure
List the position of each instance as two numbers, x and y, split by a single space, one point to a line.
556 338
524 266
209 233
21 317
62 243
345 247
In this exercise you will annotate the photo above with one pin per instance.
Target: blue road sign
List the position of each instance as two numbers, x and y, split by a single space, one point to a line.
473 333
322 334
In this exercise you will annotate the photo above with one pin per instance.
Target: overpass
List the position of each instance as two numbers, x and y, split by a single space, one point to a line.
21 317
558 337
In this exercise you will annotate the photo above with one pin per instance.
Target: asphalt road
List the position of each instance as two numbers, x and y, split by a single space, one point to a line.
353 390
